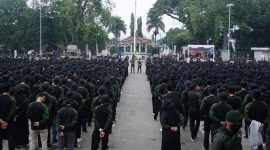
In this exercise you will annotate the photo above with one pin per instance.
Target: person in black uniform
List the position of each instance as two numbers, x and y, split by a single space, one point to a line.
7 118
22 101
234 100
139 66
174 96
171 120
66 120
243 92
207 103
184 99
218 113
102 115
194 110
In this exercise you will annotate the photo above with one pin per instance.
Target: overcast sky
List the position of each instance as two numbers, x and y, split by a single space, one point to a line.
124 8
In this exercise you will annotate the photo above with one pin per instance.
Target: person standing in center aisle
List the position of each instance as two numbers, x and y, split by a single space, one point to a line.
139 66
38 114
132 62
194 110
102 115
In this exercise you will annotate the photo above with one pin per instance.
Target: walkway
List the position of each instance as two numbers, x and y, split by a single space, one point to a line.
135 128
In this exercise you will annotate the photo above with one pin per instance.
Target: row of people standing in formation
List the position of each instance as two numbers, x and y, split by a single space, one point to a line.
220 94
59 97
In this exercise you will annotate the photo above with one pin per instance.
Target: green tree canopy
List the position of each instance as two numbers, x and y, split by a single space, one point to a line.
139 27
64 22
132 25
155 23
206 19
116 28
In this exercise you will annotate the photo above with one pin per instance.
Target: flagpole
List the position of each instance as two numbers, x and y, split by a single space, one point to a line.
135 29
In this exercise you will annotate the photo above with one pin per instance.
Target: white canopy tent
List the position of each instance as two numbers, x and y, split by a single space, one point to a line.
200 48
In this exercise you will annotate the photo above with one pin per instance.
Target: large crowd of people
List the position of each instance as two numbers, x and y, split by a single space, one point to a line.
227 97
50 100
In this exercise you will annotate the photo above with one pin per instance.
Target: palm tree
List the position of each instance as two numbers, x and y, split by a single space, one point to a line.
155 22
117 26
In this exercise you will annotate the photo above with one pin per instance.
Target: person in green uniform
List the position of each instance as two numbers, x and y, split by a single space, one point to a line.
228 137
132 61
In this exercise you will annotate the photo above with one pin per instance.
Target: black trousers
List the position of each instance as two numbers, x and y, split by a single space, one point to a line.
114 105
132 68
157 108
207 129
170 145
154 103
214 128
185 117
96 140
246 128
8 134
68 139
139 69
194 120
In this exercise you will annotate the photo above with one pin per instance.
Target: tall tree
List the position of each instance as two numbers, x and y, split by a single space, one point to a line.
206 19
132 25
155 23
117 26
178 37
139 27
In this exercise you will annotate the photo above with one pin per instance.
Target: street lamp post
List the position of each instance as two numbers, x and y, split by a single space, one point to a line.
40 32
229 28
135 25
97 44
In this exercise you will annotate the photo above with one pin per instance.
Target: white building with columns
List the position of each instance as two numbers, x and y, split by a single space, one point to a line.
126 46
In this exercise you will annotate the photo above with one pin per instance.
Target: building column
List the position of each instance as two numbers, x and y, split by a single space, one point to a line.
146 48
140 46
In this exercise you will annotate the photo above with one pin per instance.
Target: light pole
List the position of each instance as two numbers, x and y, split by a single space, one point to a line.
40 31
135 25
229 28
97 44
